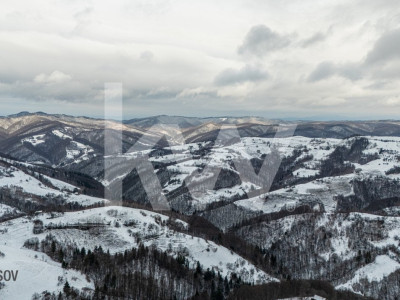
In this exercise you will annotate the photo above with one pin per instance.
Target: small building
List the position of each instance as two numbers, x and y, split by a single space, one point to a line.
38 226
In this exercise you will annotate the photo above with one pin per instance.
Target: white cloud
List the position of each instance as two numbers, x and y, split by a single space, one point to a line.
392 101
54 77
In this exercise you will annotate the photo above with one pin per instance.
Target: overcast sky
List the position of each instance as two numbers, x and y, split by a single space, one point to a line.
278 59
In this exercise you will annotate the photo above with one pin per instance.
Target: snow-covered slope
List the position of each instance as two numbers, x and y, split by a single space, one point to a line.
307 176
29 184
123 228
36 273
382 266
18 181
8 211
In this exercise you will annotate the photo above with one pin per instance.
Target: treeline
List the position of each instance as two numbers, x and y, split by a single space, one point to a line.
146 273
142 273
340 160
87 185
200 227
29 203
84 182
292 288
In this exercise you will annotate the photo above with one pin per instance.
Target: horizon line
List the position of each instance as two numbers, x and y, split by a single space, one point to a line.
287 119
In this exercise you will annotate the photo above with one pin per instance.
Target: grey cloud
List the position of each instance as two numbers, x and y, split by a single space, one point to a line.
71 91
8 78
386 48
246 74
147 55
387 71
324 70
261 40
316 38
379 85
82 19
352 71
45 87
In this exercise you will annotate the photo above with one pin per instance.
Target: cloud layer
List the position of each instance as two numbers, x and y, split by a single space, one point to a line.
287 59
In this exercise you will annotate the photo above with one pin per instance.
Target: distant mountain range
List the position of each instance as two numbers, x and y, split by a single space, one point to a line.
330 217
17 130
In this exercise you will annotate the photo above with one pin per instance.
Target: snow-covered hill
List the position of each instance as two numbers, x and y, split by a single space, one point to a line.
29 185
116 229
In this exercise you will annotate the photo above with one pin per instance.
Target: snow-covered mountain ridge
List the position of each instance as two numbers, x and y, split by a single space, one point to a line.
331 213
